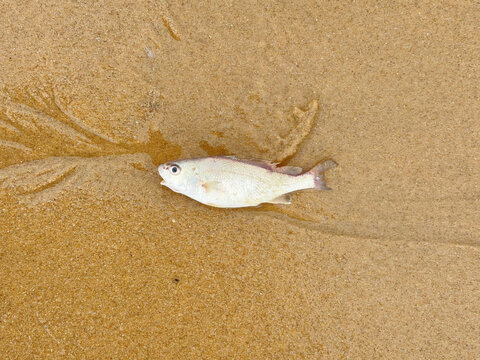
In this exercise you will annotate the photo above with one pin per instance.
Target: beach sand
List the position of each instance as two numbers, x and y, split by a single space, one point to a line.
97 260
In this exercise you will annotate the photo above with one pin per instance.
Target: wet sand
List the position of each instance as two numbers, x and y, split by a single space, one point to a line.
97 260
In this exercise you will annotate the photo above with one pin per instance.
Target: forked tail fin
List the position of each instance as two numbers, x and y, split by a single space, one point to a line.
317 172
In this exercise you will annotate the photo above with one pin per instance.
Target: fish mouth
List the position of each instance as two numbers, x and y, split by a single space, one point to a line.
163 183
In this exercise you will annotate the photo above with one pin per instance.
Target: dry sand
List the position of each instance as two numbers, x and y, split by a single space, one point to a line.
98 261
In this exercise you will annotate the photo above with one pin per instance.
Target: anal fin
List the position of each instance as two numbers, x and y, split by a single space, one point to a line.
282 199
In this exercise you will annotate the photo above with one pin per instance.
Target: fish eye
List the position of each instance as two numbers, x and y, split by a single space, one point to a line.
175 169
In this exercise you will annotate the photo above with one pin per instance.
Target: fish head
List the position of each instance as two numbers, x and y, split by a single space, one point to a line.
177 175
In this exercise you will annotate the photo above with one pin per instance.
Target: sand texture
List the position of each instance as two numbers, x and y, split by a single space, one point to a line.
98 261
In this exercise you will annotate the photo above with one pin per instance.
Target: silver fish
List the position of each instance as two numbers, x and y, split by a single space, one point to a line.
228 182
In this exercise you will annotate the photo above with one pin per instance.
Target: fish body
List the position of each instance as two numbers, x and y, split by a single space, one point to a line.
228 182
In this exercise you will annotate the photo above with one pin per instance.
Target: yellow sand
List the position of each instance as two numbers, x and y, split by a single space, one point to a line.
98 261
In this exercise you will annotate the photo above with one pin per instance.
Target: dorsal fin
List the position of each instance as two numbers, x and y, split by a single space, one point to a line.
255 162
268 165
289 170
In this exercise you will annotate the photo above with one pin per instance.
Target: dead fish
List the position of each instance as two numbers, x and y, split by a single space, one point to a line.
229 182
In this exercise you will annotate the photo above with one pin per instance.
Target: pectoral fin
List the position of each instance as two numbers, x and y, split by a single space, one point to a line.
211 185
282 199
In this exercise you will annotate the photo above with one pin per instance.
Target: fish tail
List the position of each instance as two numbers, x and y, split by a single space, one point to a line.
317 172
